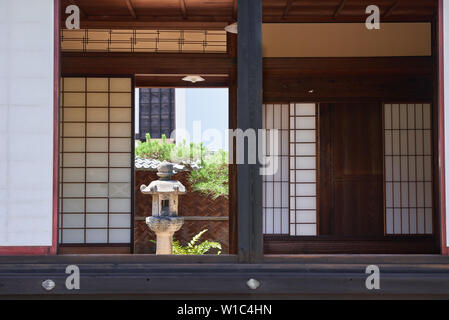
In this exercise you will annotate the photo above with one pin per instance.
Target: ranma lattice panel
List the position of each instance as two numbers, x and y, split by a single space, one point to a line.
95 161
179 41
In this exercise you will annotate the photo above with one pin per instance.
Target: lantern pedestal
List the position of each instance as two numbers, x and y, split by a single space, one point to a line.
164 228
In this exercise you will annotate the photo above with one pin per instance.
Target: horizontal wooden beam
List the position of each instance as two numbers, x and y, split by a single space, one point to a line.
417 89
348 79
328 18
309 277
224 259
359 246
94 250
348 66
177 82
150 22
144 63
192 218
218 23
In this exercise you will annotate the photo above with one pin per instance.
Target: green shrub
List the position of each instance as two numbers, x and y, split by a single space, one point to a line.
195 249
212 177
162 150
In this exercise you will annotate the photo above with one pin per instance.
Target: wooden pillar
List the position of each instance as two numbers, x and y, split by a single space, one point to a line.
233 191
249 116
443 117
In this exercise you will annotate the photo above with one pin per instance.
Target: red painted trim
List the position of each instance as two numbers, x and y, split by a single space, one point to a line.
444 245
24 251
54 247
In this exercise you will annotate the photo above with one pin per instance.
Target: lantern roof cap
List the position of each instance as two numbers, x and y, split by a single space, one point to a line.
165 184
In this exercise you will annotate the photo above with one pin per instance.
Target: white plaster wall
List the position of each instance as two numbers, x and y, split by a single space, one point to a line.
26 122
346 40
446 107
136 110
180 116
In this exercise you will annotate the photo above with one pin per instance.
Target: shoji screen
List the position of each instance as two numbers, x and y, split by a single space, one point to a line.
408 169
276 187
290 195
95 161
27 69
303 169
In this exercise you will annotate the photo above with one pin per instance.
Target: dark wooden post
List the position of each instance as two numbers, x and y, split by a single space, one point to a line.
441 129
233 191
249 116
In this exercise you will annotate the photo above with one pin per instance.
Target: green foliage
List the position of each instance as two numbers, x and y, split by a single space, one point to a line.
192 248
154 149
162 150
212 179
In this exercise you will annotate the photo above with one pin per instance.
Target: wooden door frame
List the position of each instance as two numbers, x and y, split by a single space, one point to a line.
225 64
439 100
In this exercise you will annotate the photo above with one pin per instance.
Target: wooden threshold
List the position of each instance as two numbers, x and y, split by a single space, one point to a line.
329 245
121 277
94 250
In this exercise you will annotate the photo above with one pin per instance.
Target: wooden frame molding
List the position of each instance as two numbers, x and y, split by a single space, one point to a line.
441 128
332 245
294 278
144 63
348 79
57 72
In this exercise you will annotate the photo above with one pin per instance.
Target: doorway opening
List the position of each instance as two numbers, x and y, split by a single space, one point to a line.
122 83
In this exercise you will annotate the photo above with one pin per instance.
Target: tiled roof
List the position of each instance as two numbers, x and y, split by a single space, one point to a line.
152 165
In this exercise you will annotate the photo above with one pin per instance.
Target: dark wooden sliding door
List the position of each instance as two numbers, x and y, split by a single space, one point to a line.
351 170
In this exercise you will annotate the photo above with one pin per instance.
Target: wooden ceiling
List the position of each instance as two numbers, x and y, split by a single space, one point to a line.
346 10
218 13
154 13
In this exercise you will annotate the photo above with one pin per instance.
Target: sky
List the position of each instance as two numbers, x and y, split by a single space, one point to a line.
210 107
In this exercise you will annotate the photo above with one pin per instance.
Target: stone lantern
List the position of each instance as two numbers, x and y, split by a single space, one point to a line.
165 220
